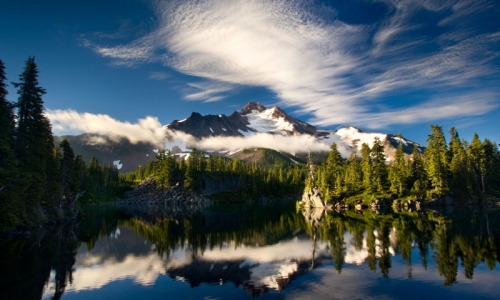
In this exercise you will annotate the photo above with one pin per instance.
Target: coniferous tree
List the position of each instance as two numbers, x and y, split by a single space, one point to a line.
11 209
334 169
379 169
418 177
399 171
492 162
52 196
7 123
33 133
436 158
366 166
459 175
68 172
354 173
164 169
190 175
478 164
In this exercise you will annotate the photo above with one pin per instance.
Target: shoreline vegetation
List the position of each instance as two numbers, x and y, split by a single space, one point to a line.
42 183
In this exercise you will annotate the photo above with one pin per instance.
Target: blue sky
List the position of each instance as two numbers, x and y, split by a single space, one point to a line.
389 66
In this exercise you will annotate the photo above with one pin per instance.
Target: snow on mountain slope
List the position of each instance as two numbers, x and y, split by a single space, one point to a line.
350 138
357 138
117 164
264 121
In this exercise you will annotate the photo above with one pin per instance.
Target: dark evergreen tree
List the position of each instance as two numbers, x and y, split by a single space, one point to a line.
334 170
32 137
164 169
69 173
436 158
191 173
459 175
417 179
354 174
478 164
399 171
366 166
11 209
52 197
492 172
379 169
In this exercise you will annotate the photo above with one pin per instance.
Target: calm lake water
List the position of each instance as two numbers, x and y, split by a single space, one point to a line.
271 251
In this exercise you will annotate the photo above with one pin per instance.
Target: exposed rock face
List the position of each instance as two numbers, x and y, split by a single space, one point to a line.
251 106
313 198
211 125
148 192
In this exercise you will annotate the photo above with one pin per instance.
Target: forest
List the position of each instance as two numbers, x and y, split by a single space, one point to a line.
458 168
41 182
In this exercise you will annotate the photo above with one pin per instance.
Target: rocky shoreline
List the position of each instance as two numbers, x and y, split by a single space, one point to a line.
148 192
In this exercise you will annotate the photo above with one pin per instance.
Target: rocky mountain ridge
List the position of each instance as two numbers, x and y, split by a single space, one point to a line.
252 119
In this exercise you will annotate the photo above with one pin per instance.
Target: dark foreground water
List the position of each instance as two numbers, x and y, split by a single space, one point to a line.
237 252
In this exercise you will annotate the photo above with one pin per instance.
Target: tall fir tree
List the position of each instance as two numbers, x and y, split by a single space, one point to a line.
354 173
492 172
478 164
459 176
33 134
417 179
436 158
399 171
379 169
11 209
69 173
164 169
334 169
366 166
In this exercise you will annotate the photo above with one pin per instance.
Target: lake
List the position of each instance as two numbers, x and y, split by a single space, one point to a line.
234 251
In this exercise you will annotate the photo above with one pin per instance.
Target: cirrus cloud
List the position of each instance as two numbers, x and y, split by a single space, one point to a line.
336 71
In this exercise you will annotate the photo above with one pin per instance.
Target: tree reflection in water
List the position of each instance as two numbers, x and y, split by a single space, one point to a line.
44 261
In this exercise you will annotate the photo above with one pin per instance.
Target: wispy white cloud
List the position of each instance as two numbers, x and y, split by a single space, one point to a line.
442 108
326 67
208 91
158 75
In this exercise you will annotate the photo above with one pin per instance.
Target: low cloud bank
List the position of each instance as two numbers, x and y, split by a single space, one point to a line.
150 130
71 122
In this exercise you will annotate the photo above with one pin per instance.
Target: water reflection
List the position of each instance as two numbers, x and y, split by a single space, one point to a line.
257 250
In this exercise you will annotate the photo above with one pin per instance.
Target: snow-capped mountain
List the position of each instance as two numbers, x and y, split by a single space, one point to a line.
255 118
260 127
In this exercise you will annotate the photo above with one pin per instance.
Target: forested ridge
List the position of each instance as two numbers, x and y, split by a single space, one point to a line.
40 181
194 172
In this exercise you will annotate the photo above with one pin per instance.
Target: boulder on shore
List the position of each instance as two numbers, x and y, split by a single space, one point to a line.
313 198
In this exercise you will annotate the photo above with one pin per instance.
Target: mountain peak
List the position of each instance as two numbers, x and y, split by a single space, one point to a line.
251 106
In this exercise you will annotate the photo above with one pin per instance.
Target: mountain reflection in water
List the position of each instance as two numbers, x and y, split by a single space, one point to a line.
271 251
